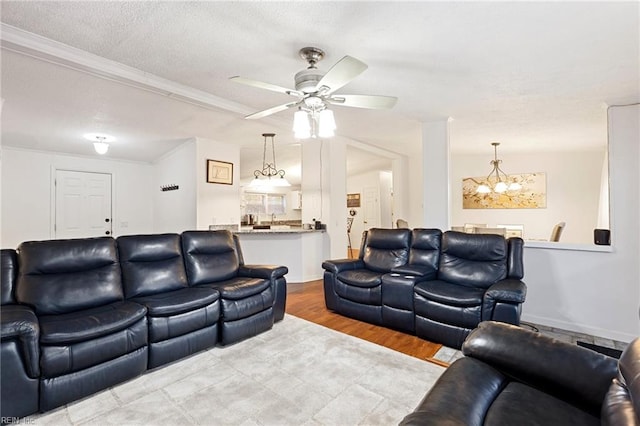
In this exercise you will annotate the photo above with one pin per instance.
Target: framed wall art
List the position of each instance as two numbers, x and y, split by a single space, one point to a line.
353 200
219 172
531 195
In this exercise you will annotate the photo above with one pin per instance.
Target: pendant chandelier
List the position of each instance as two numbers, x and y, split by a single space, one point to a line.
269 176
497 180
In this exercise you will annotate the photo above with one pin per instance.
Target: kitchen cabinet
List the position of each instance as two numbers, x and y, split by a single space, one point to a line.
296 200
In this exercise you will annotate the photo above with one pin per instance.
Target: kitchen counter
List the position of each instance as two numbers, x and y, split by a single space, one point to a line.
300 250
277 230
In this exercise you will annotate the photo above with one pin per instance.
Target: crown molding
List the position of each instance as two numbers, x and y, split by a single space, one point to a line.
33 45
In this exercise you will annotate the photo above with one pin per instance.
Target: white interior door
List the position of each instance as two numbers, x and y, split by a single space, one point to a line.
83 204
371 203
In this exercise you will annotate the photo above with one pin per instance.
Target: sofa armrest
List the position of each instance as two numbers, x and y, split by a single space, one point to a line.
339 265
509 290
568 371
268 272
422 271
20 322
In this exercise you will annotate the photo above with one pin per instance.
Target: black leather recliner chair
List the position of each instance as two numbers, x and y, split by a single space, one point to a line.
478 279
354 287
182 320
513 376
247 292
90 337
19 349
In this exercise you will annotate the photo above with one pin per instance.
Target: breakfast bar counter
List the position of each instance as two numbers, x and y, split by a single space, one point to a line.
300 250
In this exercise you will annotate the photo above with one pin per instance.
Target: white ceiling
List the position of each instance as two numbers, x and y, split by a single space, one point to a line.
531 75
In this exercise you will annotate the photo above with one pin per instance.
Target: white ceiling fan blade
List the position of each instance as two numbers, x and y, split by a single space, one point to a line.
267 86
345 70
364 101
271 110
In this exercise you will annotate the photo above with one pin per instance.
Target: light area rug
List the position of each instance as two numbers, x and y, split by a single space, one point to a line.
298 373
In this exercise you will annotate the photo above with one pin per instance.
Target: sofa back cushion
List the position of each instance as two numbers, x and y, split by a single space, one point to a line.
473 260
425 247
385 249
151 264
61 276
209 256
8 275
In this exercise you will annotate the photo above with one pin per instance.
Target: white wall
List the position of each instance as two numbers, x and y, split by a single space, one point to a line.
592 292
27 193
176 211
436 167
356 185
386 200
573 193
217 204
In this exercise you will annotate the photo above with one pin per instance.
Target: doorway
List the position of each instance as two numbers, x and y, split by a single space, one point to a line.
82 204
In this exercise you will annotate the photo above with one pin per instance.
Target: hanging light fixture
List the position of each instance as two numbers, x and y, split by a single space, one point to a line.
501 180
100 141
314 120
269 176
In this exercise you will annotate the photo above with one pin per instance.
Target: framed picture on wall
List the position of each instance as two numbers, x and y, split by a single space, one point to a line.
353 200
219 172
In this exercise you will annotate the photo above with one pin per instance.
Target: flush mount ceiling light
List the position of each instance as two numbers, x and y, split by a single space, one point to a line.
497 180
100 141
269 176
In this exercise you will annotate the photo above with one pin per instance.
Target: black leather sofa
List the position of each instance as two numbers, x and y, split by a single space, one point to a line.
438 286
513 376
79 316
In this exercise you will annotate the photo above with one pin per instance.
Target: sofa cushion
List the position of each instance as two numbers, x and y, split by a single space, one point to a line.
62 276
178 301
65 358
521 404
90 323
386 249
425 248
361 278
151 264
449 294
240 287
473 260
209 256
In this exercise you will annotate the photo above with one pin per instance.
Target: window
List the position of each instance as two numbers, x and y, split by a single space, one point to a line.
265 203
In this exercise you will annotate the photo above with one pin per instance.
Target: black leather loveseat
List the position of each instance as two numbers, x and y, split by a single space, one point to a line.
81 315
513 376
436 285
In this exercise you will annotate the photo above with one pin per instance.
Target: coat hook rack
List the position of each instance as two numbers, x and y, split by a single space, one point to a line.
172 187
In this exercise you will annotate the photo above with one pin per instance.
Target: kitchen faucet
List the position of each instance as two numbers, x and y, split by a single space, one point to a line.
273 217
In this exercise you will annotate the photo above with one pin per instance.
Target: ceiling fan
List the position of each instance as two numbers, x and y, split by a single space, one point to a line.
314 89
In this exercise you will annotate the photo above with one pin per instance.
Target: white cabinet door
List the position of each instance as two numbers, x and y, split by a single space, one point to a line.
83 204
296 200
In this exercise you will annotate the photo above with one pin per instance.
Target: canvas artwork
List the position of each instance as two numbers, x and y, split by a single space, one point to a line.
532 195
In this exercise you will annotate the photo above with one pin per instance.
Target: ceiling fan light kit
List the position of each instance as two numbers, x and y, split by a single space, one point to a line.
314 90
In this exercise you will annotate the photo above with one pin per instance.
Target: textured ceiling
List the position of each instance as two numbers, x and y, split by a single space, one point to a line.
531 75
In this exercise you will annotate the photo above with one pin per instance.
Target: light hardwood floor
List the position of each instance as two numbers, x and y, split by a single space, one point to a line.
306 301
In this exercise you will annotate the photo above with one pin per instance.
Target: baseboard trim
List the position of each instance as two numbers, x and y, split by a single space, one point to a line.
579 328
